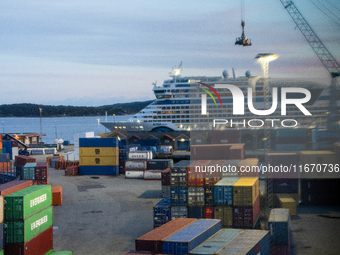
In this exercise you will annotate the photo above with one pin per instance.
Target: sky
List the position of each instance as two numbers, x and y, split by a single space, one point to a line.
92 53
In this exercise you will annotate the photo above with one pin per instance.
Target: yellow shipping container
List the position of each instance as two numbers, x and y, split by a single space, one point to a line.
99 161
99 151
288 203
225 214
245 191
295 196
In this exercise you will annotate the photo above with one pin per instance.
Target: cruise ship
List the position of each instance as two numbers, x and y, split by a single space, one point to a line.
178 104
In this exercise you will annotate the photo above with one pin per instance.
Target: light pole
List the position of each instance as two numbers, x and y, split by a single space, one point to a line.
3 127
98 124
114 117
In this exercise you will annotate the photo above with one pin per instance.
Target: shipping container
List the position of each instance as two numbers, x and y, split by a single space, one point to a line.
209 212
57 195
4 157
179 173
288 160
98 142
71 170
136 165
98 170
196 196
41 171
225 214
24 203
2 252
295 196
161 212
217 242
99 161
159 164
53 162
39 245
279 226
214 172
231 168
152 175
29 171
217 151
318 158
249 242
98 151
288 203
13 186
195 173
223 191
291 133
209 196
141 155
245 191
249 168
166 191
246 216
59 253
166 177
152 241
22 231
179 196
179 212
134 174
285 185
188 238
196 212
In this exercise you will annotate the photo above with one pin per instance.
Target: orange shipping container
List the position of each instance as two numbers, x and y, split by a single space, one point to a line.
5 167
57 195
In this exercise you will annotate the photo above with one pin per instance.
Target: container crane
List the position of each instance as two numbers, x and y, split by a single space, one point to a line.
325 57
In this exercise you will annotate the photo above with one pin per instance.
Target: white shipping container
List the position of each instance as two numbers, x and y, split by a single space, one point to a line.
140 155
134 174
153 174
142 165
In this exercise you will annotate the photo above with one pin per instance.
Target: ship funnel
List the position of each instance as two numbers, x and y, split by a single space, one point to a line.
234 73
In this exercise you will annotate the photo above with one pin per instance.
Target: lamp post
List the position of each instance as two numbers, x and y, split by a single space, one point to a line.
98 124
3 127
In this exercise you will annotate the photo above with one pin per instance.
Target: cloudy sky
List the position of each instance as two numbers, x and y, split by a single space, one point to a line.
84 52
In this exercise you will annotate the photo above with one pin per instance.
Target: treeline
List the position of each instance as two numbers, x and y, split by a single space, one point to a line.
33 110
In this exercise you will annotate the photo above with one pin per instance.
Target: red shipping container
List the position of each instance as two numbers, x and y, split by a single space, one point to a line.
209 212
13 186
246 216
213 172
166 177
237 151
5 167
71 170
41 171
39 245
57 195
152 241
196 178
225 136
41 182
22 160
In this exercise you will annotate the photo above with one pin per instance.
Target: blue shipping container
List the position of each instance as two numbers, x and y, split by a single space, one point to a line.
179 212
279 226
158 164
179 173
179 196
7 177
98 142
147 142
209 196
217 242
197 212
98 170
223 191
53 162
249 242
161 212
188 238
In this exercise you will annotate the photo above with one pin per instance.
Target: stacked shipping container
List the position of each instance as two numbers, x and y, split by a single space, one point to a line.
279 227
98 156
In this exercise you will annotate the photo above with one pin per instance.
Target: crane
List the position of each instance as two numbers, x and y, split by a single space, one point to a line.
243 40
326 58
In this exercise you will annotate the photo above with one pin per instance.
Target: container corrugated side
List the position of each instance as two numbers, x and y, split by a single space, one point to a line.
288 203
196 196
26 202
98 161
223 191
187 239
23 230
245 191
39 245
246 216
249 242
98 151
179 173
217 242
196 212
98 170
179 196
179 212
152 241
98 142
209 196
161 212
279 226
29 171
225 214
214 171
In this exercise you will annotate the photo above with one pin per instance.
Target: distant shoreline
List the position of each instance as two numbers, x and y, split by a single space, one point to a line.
32 110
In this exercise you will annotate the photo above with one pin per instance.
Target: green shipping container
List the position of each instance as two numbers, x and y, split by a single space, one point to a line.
51 252
2 252
24 203
29 171
23 230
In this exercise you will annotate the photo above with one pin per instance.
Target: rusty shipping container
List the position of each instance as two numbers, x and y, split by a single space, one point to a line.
152 241
39 245
195 173
13 186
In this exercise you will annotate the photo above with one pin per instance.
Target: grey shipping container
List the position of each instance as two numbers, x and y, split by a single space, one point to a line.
279 226
166 191
187 239
249 242
196 196
217 242
179 212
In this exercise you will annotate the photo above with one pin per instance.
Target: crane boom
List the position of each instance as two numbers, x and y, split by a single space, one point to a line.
319 48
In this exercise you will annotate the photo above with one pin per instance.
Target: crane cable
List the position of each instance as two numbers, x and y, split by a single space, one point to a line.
327 15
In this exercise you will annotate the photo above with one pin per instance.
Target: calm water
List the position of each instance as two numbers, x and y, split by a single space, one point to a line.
58 127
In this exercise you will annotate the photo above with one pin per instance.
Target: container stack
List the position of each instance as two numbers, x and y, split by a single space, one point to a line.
28 172
98 156
124 153
166 182
28 219
162 212
76 138
5 163
279 227
7 148
137 163
155 167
